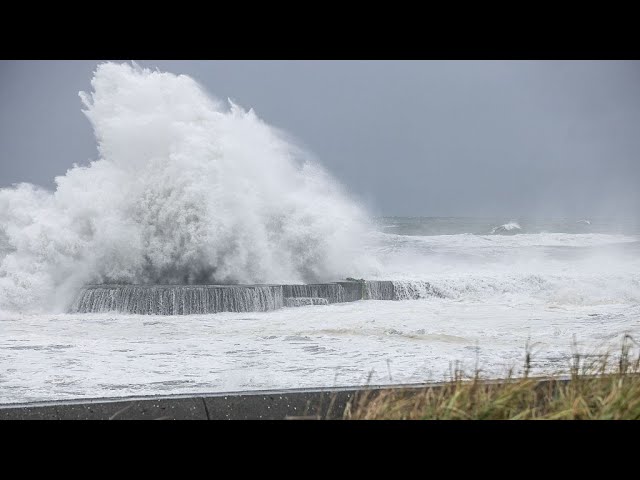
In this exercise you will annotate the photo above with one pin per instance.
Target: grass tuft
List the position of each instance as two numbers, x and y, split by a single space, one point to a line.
598 387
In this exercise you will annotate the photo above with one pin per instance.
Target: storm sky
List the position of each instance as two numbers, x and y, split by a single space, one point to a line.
419 138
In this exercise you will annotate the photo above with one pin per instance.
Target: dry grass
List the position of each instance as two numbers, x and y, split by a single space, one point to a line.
604 387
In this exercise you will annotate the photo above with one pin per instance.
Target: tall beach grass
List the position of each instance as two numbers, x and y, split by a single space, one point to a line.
602 386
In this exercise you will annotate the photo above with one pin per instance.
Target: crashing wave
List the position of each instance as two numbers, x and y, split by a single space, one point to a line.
187 190
507 228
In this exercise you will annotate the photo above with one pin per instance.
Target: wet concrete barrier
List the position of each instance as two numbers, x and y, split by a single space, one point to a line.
203 299
266 405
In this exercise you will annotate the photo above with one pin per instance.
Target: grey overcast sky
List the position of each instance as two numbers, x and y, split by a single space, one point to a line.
406 137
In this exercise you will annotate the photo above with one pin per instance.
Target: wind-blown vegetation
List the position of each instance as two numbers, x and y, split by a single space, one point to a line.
602 387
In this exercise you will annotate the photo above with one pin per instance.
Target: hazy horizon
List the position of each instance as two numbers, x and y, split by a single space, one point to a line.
406 138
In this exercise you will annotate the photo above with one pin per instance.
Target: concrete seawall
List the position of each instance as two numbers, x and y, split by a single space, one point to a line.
264 405
203 299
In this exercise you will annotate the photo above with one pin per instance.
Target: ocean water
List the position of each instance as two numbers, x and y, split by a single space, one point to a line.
191 190
474 299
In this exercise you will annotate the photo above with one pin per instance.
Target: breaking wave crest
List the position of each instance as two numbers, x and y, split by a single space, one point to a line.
509 227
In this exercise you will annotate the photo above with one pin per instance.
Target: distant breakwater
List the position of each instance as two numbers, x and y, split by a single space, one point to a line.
202 299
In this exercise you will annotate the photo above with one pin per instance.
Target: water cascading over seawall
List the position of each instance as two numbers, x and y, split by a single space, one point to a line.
178 300
379 290
202 299
332 292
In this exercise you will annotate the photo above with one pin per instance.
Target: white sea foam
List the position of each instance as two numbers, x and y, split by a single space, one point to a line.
545 268
367 342
467 240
